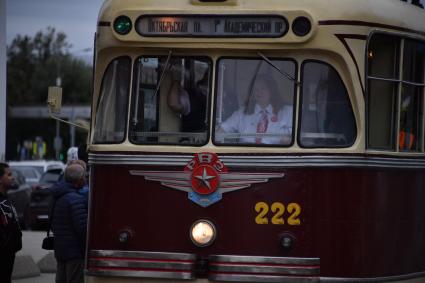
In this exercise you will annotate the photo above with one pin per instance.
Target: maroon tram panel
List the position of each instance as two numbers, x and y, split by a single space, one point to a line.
360 222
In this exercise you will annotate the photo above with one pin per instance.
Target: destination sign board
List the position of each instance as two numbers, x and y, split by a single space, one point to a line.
212 26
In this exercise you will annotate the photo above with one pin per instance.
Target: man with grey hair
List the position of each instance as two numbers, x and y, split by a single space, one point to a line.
69 225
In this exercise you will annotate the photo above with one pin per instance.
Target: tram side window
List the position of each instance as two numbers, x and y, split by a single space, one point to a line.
327 118
170 100
395 93
255 102
412 95
111 112
383 72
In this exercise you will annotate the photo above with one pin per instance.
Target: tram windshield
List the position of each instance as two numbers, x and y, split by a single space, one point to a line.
170 100
255 101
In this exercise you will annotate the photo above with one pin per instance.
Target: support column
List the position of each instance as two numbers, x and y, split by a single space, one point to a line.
3 79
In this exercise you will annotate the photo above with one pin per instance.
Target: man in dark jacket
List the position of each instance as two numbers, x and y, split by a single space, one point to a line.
10 232
69 225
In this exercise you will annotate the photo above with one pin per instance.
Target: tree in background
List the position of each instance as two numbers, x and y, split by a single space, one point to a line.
34 64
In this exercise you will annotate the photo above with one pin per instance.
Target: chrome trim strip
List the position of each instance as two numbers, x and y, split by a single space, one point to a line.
143 255
262 278
142 274
264 260
373 280
141 264
228 182
269 270
262 161
137 264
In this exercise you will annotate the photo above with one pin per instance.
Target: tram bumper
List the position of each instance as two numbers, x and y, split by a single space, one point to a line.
146 266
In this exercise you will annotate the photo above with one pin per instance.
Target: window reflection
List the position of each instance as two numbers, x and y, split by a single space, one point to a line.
327 119
395 102
172 110
254 102
110 117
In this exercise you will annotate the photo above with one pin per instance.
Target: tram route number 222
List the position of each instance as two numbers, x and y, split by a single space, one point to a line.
280 215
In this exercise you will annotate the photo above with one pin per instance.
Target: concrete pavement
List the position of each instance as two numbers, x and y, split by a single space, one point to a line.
43 278
32 263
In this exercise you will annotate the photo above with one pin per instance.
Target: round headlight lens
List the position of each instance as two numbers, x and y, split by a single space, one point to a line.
122 25
203 233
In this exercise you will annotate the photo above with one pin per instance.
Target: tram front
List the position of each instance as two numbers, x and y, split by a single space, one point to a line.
222 147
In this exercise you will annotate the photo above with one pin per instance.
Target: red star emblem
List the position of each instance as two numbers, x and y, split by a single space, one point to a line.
205 179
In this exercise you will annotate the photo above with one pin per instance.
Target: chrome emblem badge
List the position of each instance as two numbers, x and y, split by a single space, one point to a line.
205 178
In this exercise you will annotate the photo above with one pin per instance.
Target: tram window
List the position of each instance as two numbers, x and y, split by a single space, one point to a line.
255 102
113 100
410 118
171 110
327 118
384 51
395 104
411 96
413 61
382 101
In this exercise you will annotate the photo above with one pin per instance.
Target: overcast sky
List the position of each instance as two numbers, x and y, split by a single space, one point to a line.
77 18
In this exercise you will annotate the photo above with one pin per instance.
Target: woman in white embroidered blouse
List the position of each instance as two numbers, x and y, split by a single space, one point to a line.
263 119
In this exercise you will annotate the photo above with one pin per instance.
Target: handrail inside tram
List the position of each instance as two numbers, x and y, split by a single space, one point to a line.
163 72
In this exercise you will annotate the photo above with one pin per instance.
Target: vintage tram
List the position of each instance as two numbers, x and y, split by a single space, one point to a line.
258 141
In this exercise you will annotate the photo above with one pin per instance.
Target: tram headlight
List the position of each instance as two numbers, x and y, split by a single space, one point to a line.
123 25
203 233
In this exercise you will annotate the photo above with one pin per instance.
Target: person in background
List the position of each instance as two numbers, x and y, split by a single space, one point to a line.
84 191
39 148
191 103
69 225
10 232
72 154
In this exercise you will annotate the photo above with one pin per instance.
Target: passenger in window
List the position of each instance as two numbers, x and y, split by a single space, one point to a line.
191 104
407 139
264 119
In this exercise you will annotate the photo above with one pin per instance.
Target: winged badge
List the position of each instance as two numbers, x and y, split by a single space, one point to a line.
205 178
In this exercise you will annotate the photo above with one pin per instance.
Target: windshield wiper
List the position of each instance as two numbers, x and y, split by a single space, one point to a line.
285 74
167 62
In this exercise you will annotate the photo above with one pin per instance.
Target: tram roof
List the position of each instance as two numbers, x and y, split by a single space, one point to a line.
386 12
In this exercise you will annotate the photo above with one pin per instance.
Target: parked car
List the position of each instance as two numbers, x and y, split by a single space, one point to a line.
20 195
41 199
32 175
33 169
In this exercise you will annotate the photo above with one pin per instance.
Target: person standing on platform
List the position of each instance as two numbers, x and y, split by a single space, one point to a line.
10 232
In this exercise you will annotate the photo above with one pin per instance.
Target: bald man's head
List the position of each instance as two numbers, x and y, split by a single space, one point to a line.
75 174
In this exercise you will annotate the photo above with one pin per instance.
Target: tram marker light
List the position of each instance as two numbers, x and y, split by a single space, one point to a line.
287 241
203 233
301 26
124 237
123 25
